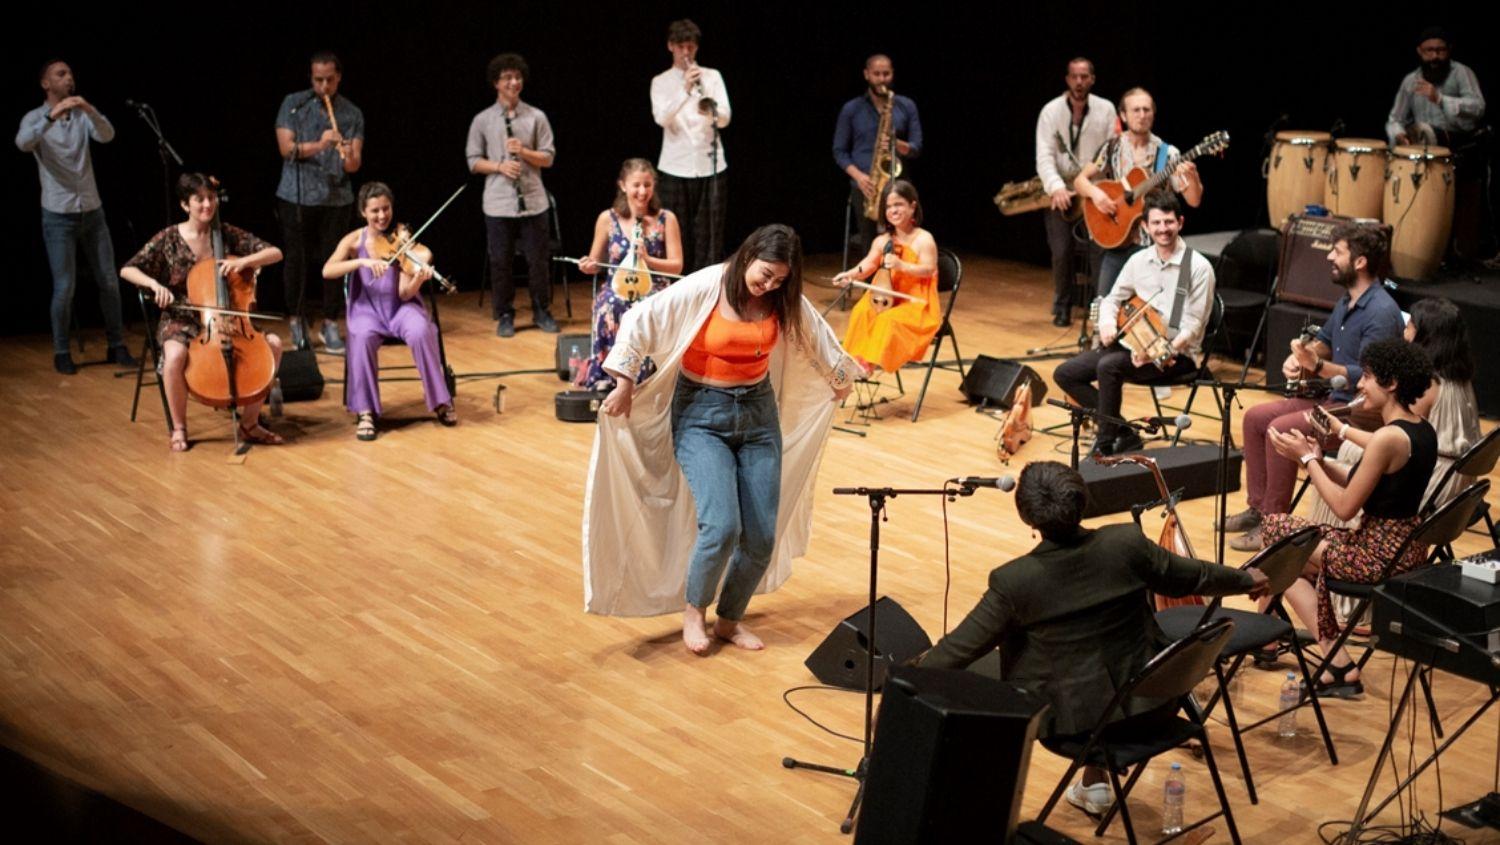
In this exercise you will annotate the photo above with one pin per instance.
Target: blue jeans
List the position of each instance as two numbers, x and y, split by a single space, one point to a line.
728 443
64 235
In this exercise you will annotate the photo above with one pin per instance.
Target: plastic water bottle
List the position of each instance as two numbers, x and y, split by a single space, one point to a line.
575 363
1171 801
1291 695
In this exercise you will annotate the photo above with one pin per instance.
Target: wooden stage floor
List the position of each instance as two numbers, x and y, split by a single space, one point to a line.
367 642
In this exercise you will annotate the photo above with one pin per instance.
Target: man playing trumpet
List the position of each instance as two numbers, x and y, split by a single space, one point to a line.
690 104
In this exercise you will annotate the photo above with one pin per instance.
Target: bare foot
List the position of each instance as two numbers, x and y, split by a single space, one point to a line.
737 634
693 634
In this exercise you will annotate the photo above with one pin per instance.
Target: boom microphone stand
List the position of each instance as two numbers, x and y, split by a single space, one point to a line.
877 496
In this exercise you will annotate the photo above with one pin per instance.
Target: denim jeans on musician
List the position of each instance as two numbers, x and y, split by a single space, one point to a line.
64 235
728 443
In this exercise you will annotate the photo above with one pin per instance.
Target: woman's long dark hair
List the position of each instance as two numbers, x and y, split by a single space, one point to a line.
1441 333
776 243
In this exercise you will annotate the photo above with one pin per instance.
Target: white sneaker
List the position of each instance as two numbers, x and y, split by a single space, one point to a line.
1094 800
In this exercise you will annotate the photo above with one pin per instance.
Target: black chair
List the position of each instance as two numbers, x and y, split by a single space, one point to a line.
1438 530
1282 562
1203 373
150 351
431 299
1170 676
1245 278
1477 461
950 278
554 247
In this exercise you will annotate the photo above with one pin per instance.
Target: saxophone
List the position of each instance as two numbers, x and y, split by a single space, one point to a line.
1021 197
884 165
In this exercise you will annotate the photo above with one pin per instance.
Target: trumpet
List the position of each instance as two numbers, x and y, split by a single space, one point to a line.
706 104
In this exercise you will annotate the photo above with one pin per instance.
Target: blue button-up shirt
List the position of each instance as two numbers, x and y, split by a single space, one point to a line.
854 135
1375 316
61 148
319 180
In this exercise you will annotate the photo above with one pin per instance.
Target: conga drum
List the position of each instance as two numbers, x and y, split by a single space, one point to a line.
1295 173
1418 207
1356 178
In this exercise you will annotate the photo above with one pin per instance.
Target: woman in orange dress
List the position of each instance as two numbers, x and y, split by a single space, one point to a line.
889 339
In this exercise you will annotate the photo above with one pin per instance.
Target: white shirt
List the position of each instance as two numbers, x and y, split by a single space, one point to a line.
687 135
1056 120
1155 281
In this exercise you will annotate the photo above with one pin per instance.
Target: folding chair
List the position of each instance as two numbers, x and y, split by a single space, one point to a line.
448 378
1477 461
1169 676
950 277
150 350
1282 563
1245 277
554 247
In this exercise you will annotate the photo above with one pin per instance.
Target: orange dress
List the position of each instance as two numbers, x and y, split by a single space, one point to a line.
897 335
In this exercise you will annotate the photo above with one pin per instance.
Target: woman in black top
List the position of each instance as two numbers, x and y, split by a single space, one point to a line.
1387 483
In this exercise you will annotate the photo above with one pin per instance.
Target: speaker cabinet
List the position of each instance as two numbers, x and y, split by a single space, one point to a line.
993 381
950 759
301 380
840 660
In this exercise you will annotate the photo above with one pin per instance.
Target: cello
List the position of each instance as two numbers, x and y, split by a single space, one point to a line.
1173 536
229 363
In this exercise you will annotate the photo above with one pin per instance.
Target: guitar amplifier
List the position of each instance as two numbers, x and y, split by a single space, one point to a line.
1437 616
1304 275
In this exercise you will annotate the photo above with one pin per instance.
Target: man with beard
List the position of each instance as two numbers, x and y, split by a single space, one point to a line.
1071 129
1136 147
854 140
58 133
1364 314
1440 104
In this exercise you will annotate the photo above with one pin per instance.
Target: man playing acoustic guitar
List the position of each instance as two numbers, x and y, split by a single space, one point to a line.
1175 281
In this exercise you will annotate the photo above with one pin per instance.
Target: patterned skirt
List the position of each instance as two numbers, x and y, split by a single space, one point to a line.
1353 554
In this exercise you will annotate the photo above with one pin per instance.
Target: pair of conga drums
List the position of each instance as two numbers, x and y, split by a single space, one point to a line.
1410 188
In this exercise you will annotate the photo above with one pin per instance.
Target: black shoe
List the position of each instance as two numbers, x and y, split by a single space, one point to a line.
545 322
1339 687
1103 448
120 355
1061 319
506 327
1128 442
63 363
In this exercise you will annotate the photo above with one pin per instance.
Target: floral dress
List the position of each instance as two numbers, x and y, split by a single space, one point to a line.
168 259
609 308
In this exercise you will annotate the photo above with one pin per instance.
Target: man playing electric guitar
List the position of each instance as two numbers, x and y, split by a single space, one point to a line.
1172 279
1136 147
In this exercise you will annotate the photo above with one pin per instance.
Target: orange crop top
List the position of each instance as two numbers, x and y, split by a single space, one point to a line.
729 351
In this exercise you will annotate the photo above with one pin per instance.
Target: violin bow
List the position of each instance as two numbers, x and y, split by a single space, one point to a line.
566 260
412 239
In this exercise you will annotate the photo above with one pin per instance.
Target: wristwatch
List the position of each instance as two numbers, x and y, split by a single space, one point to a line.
1307 459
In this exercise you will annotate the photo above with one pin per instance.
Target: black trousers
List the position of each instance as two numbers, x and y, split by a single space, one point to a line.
1112 368
699 205
310 233
501 236
864 227
1070 256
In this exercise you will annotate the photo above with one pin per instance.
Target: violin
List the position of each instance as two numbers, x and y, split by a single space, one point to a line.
1173 536
1143 332
397 247
880 283
1015 429
632 278
229 363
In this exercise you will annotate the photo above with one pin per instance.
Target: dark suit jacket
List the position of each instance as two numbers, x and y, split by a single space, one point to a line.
1073 621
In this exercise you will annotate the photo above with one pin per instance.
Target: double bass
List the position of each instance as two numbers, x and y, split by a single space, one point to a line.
229 363
1173 537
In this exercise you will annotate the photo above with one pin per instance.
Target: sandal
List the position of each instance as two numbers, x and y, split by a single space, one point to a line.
1338 687
179 439
364 426
447 415
258 433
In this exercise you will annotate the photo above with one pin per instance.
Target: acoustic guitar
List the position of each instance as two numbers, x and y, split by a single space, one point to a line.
1129 194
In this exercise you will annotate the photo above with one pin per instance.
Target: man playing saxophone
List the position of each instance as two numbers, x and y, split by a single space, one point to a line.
1069 132
858 142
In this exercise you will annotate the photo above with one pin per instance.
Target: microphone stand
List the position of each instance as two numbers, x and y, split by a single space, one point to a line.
1078 413
164 151
877 497
1227 392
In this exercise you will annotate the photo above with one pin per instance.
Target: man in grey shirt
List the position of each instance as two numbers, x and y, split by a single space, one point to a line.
57 133
509 143
321 138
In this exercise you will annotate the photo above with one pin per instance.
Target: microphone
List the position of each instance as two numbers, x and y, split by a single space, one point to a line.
1155 424
1005 482
1335 383
305 100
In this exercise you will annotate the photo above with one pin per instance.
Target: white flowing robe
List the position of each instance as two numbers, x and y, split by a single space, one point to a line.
639 522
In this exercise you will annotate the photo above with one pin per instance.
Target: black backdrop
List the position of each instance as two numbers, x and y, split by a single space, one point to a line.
978 72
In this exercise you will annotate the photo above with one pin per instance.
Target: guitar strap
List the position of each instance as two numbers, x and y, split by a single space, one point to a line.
1184 284
1161 157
